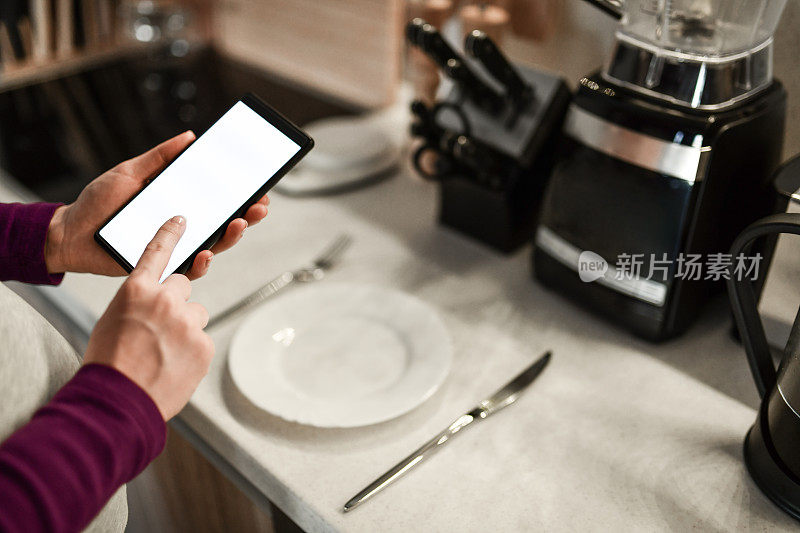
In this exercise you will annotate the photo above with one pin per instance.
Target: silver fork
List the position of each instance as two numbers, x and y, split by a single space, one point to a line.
315 272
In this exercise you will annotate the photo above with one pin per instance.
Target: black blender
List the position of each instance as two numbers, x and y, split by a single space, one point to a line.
666 153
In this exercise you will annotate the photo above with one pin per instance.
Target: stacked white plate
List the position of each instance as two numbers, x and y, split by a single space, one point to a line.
348 152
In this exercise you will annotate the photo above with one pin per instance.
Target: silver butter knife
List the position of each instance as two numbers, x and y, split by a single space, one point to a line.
504 397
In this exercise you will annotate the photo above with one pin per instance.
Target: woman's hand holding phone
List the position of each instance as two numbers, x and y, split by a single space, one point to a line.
151 333
70 243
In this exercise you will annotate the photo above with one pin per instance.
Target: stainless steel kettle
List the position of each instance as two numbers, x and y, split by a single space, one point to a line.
772 446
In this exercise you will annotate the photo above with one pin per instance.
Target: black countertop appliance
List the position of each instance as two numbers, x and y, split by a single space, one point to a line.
667 154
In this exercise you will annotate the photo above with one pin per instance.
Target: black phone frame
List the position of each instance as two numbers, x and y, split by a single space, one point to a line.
275 118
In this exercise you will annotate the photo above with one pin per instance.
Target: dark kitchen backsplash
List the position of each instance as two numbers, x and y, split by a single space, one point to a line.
58 135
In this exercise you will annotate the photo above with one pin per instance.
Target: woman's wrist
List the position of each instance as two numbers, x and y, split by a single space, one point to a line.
54 246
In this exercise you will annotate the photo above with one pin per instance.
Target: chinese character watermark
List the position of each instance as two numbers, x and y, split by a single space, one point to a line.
692 267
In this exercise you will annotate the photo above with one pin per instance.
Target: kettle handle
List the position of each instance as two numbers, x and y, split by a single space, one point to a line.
745 306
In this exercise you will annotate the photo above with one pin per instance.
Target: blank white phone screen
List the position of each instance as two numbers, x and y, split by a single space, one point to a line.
218 173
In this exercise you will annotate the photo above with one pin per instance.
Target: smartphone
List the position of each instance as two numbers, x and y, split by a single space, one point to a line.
212 182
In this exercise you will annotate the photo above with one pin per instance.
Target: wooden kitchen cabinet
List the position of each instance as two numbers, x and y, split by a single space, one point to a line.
346 49
349 49
198 498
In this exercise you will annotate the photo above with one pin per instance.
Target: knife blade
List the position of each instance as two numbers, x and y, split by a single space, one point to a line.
505 396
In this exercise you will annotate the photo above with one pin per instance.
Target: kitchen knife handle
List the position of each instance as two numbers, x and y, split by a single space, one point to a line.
428 39
432 43
423 452
474 87
481 47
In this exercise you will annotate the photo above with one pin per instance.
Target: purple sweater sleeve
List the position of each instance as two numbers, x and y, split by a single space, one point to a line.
23 231
98 432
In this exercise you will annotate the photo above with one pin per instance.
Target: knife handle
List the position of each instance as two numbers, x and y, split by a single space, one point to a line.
423 452
482 48
430 41
480 93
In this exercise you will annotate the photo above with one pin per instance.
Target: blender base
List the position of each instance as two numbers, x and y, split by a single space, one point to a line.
768 473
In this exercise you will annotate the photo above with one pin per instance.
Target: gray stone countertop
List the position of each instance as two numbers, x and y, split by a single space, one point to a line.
617 434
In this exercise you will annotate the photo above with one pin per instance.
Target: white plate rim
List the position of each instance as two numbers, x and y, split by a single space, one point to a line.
436 380
313 181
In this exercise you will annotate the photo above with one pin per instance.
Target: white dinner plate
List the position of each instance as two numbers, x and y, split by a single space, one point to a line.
340 355
349 152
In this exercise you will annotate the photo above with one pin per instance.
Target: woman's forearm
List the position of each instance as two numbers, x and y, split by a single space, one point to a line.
98 432
23 234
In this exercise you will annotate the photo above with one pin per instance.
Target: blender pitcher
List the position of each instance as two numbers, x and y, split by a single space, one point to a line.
772 446
705 54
